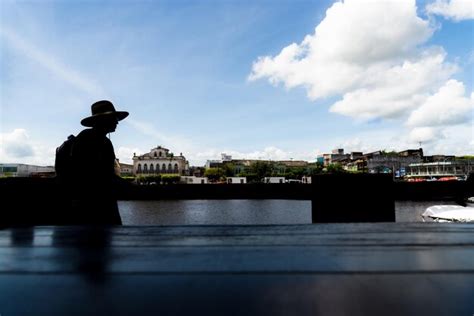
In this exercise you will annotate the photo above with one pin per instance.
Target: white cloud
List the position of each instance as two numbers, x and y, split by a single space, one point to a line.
452 140
374 56
125 154
456 10
423 134
353 48
394 91
267 153
456 140
449 106
18 147
15 144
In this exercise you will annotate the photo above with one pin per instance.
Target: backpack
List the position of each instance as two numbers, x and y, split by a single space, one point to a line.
63 163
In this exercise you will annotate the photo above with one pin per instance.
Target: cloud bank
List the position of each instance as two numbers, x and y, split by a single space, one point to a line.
374 56
456 10
17 147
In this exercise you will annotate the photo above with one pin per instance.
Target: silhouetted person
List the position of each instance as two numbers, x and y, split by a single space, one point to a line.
94 181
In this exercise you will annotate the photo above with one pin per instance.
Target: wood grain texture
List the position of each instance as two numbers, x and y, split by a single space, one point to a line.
322 269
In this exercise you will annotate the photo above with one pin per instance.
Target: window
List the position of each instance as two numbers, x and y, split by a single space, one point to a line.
139 169
151 168
163 168
169 167
145 168
160 153
176 167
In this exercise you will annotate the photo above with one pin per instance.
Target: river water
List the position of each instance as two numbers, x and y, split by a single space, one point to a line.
240 212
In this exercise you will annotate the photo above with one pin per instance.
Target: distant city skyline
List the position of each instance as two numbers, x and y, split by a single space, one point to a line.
264 79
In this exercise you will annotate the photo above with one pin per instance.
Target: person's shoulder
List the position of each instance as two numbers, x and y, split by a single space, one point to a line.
87 137
88 132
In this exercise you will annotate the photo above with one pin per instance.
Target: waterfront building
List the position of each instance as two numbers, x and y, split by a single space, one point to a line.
274 180
213 164
440 169
381 162
125 169
338 156
160 161
236 180
193 180
25 170
374 162
225 157
335 156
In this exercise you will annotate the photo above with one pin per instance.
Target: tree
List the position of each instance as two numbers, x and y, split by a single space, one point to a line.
228 169
261 169
214 174
314 169
335 168
170 178
387 153
296 172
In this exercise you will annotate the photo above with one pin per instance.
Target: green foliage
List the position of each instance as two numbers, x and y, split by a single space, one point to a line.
214 174
170 178
295 173
128 178
149 179
391 153
261 169
314 169
335 168
228 169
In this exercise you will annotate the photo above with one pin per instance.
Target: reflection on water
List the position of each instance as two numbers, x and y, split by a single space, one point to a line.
239 212
215 212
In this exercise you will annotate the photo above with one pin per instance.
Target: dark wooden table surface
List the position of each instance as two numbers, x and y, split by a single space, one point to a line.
323 269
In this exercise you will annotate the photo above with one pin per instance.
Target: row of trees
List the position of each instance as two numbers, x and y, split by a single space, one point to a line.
254 173
260 169
156 179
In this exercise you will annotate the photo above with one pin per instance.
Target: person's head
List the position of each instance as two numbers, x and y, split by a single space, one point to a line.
104 116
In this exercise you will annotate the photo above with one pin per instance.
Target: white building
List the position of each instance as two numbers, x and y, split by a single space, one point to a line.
236 180
274 180
193 180
160 161
24 170
125 169
439 169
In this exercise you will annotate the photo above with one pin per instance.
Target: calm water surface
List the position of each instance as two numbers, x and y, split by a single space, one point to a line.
240 212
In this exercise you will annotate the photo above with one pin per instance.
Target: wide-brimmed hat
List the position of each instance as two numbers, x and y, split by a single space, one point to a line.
102 109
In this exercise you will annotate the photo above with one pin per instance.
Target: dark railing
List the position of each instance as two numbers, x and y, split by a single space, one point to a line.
335 198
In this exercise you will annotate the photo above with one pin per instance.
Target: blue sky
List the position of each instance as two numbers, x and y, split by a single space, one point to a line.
256 79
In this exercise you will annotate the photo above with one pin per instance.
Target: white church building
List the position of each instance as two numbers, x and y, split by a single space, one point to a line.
160 161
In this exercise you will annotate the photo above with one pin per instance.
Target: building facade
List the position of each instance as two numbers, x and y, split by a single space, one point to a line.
125 169
440 169
160 161
24 170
